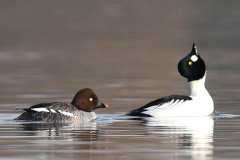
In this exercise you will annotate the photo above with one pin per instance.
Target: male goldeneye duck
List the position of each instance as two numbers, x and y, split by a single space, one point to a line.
199 103
80 109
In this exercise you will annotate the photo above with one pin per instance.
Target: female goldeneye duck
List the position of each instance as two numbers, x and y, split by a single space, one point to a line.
80 109
199 103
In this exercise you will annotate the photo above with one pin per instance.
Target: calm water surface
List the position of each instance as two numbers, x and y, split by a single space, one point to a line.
116 137
127 51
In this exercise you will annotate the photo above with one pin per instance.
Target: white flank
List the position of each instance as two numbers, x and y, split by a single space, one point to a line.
66 113
40 109
200 105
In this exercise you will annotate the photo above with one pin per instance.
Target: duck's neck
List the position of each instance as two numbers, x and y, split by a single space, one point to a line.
197 87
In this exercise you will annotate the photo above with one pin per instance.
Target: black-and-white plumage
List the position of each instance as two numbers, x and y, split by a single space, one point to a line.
199 103
141 112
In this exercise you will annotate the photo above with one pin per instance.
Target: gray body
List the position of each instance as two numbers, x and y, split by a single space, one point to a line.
56 112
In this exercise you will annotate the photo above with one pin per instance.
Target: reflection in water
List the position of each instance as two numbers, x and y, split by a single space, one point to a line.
66 140
119 137
194 133
74 131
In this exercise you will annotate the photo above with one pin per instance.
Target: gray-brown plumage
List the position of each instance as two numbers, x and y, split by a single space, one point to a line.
81 109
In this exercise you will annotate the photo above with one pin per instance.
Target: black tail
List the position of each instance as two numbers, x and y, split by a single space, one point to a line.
25 116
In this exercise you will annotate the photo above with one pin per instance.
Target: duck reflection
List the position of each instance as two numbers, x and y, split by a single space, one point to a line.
191 134
56 131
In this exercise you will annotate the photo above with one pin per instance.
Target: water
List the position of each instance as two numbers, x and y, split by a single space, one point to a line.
116 137
127 52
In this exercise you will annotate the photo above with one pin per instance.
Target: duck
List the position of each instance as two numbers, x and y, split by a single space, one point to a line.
81 109
198 103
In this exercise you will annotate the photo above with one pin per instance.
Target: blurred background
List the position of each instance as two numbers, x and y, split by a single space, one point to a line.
126 50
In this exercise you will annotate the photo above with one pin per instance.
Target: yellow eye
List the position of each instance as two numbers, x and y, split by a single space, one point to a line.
90 99
189 63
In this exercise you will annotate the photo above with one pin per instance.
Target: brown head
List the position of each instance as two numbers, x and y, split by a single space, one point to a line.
86 100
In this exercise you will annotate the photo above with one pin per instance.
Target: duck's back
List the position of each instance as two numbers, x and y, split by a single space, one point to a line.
159 105
55 111
175 105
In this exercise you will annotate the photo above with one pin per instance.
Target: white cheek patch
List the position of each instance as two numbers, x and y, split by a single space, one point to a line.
194 58
40 109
